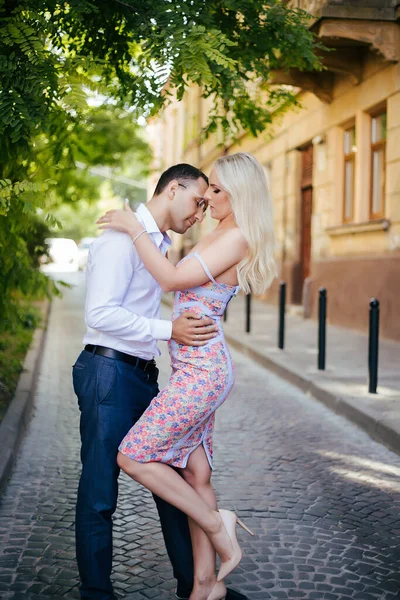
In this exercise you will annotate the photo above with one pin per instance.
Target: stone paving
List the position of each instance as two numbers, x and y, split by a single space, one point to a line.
321 496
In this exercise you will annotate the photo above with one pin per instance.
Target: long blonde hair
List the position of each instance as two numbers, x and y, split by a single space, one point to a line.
242 176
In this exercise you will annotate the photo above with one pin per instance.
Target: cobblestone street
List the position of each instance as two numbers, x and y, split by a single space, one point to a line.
322 497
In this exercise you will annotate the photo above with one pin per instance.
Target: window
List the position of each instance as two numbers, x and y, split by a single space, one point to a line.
350 150
378 145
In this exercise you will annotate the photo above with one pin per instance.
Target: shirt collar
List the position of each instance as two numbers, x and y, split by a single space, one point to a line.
145 217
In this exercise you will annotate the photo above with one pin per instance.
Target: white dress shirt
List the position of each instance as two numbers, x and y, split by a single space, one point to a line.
122 299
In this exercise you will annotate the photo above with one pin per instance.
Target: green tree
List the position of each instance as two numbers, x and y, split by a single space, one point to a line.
57 55
105 135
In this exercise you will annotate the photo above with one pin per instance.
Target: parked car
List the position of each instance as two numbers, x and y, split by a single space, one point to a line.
63 254
83 249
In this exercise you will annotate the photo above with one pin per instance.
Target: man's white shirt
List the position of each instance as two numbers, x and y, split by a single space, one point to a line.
122 299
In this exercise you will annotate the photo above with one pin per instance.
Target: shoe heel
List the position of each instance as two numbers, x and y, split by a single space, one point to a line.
239 522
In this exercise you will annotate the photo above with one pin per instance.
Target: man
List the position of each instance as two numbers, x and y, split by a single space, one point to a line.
115 376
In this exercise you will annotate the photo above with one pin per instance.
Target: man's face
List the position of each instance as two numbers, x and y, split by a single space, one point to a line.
188 204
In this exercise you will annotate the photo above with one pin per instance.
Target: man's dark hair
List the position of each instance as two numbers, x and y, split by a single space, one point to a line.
182 172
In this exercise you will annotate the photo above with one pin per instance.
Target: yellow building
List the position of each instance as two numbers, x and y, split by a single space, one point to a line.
333 166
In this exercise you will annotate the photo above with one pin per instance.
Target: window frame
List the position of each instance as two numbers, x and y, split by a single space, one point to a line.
374 147
349 157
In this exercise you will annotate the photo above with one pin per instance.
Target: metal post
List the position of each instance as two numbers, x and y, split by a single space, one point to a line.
282 302
225 314
248 312
373 345
322 328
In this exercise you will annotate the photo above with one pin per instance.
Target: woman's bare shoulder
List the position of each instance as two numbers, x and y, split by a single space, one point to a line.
229 242
235 235
216 240
235 232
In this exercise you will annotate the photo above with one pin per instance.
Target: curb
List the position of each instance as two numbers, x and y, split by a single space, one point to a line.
381 430
16 419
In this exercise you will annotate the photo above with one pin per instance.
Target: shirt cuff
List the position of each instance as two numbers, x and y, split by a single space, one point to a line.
160 329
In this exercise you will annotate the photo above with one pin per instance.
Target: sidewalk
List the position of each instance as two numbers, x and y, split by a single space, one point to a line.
343 386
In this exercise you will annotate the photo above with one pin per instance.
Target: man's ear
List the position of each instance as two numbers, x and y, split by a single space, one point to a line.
171 188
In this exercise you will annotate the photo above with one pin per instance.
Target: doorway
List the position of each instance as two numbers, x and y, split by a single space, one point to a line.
306 212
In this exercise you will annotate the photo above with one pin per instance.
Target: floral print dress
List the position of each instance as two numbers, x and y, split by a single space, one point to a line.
182 416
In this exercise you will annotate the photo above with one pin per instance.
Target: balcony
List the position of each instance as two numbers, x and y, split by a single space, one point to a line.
350 30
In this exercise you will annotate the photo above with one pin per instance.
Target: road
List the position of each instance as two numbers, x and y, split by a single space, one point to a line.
321 496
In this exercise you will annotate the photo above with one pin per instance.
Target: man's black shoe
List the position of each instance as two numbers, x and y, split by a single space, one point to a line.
231 595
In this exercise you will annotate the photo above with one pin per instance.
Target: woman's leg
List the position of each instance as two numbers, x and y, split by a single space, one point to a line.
171 487
198 475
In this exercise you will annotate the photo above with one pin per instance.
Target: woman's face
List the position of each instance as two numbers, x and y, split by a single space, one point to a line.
218 198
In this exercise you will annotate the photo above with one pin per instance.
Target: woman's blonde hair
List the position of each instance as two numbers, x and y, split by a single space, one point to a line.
242 176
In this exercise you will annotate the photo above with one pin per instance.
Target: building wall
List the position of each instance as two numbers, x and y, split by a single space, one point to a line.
354 261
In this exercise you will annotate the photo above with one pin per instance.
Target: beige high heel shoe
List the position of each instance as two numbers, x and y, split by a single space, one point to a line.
218 592
229 519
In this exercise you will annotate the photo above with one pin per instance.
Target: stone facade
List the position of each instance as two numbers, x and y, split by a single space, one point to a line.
333 166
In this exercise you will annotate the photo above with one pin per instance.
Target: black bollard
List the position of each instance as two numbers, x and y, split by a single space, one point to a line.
373 345
225 314
322 328
248 312
282 302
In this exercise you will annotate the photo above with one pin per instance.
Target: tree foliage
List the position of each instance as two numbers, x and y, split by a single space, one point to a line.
57 55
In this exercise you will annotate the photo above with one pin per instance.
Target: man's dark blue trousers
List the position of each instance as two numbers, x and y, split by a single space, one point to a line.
112 396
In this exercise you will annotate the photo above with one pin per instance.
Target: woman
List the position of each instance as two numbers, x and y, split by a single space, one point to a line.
176 429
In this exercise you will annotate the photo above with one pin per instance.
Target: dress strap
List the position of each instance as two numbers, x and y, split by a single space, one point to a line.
203 264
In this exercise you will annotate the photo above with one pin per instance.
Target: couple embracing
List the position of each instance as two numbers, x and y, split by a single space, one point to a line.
163 440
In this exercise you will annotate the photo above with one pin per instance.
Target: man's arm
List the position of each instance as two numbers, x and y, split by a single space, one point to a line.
111 266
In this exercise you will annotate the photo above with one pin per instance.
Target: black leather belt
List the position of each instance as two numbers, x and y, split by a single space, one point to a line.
128 358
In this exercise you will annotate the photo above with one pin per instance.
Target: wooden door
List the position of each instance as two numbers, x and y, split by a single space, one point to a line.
306 211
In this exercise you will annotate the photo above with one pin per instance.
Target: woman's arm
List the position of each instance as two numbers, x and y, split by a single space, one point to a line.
222 254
